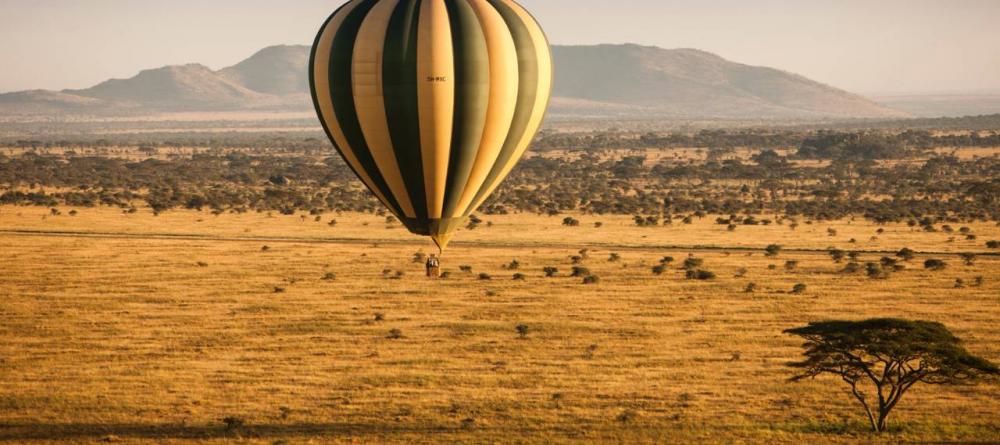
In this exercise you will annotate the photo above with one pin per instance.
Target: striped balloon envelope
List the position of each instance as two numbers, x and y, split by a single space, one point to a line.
431 102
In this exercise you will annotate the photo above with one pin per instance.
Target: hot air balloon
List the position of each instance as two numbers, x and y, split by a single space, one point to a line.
431 102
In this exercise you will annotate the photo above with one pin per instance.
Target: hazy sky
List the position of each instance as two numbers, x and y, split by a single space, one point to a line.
867 46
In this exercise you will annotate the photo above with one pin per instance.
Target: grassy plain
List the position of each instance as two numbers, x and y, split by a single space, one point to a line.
134 328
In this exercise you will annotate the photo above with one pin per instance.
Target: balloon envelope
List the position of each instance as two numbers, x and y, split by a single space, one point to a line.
431 102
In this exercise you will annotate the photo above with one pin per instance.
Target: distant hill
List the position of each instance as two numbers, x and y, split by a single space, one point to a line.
945 105
599 81
693 83
274 70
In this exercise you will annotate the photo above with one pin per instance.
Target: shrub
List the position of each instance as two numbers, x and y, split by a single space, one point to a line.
519 277
741 272
279 290
570 222
395 334
969 259
993 244
700 275
876 271
419 257
659 270
522 330
891 264
614 258
693 263
379 316
799 288
837 255
466 269
906 254
772 250
579 271
330 276
550 271
935 264
233 423
666 260
751 288
591 279
791 265
852 267
483 276
513 265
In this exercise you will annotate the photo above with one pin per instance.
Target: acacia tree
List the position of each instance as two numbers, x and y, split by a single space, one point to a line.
885 358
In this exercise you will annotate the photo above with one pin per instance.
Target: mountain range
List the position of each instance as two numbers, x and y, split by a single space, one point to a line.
590 81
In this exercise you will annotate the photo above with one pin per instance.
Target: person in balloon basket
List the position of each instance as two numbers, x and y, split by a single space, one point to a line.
433 267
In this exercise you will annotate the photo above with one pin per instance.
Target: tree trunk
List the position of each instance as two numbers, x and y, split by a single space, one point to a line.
883 421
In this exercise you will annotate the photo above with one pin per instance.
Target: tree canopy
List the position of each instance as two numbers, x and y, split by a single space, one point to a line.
887 356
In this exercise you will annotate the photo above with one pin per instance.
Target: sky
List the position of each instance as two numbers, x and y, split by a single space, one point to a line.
871 47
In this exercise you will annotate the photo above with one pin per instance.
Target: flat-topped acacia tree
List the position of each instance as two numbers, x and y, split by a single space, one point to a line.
885 358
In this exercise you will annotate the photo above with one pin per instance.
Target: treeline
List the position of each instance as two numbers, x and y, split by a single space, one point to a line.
944 188
822 144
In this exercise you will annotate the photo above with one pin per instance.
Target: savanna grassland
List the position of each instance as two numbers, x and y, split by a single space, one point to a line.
193 327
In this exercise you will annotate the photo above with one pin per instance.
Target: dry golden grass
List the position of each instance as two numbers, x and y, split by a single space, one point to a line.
132 328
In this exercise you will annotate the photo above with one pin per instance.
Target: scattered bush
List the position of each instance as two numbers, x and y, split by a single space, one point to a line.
550 271
906 254
993 244
969 259
699 274
772 250
837 255
791 265
591 279
751 288
519 277
233 423
935 264
579 271
329 276
614 258
570 222
483 276
876 271
522 330
799 288
693 263
395 334
466 269
659 269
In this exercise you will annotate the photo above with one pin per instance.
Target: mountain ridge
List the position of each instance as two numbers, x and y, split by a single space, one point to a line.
590 81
